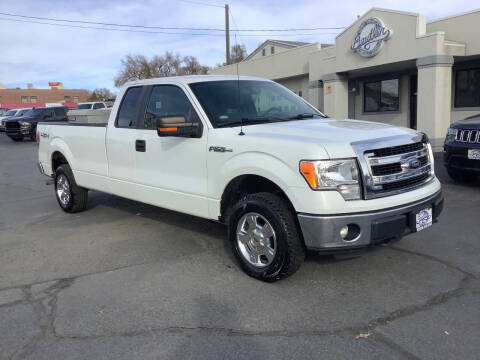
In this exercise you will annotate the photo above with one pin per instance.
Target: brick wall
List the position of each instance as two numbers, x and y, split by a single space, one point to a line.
42 95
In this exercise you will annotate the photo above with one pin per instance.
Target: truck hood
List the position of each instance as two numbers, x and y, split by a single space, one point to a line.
334 135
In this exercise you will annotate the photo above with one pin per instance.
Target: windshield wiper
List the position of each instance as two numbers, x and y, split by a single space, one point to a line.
303 116
246 121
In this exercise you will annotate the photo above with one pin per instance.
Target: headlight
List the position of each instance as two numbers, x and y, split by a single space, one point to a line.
341 175
451 134
430 156
25 124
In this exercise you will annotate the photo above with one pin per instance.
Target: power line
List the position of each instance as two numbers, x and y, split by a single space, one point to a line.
236 26
166 28
148 32
200 3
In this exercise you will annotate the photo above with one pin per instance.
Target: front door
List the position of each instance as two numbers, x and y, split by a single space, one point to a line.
171 172
413 102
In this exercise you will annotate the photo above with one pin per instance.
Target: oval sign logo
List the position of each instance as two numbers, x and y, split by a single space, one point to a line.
370 37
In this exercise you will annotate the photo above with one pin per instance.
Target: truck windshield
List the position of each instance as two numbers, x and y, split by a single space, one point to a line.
232 102
84 106
10 112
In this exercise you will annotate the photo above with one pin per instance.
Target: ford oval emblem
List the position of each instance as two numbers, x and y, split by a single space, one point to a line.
414 164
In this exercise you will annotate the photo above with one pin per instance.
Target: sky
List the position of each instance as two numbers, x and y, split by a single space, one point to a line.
91 58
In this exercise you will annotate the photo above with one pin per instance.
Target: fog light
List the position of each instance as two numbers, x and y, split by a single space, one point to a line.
344 232
350 232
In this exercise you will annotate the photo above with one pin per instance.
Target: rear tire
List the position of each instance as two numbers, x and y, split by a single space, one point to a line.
71 197
264 237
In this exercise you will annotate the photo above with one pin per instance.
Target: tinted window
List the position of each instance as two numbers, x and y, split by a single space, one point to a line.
381 96
98 106
48 114
467 88
168 100
84 106
60 112
127 115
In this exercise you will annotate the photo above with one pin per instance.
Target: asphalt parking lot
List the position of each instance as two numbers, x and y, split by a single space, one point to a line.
125 280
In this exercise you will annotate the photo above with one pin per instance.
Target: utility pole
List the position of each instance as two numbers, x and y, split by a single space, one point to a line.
227 35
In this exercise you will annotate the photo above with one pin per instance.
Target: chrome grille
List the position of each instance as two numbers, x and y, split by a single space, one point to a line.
468 136
389 170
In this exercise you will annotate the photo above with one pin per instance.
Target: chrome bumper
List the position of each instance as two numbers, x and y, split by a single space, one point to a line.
323 232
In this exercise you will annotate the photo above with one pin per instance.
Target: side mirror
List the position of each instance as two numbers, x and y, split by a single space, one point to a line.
178 126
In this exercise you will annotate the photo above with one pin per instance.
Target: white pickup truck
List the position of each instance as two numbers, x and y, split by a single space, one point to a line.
251 154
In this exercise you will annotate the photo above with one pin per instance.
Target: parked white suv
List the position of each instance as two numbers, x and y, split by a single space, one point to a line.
251 154
93 105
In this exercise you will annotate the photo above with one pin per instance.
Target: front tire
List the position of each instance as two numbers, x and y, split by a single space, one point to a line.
264 237
71 197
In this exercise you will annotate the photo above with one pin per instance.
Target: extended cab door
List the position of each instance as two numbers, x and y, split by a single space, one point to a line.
171 171
121 143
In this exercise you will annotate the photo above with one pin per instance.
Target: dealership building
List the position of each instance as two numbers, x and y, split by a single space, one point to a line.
388 66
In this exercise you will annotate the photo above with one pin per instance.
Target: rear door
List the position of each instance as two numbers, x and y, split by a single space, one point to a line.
121 143
171 171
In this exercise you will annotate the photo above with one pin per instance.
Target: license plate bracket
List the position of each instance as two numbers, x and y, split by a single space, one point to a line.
423 218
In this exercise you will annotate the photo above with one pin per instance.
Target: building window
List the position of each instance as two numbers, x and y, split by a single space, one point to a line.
33 99
24 99
272 50
67 99
263 52
75 99
467 88
300 93
381 96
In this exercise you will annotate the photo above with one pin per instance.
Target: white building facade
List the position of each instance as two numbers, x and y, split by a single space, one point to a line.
388 66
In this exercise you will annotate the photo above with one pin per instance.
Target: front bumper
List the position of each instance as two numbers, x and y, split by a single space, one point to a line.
455 156
322 233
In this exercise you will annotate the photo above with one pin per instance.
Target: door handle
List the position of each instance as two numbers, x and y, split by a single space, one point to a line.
140 145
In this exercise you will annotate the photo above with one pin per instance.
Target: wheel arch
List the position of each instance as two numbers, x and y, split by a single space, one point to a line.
245 184
60 154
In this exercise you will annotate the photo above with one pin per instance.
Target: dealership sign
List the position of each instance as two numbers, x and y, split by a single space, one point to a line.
370 37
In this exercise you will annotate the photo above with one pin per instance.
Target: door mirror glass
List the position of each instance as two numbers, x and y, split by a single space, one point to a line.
177 126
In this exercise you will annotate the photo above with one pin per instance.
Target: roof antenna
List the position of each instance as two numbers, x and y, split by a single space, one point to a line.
241 133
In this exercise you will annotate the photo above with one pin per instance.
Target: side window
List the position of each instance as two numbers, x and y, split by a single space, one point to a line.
97 106
49 114
59 112
127 114
168 100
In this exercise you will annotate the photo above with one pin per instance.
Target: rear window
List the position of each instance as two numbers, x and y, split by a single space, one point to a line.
84 106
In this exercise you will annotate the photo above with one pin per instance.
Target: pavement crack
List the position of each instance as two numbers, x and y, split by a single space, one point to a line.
433 258
380 338
44 308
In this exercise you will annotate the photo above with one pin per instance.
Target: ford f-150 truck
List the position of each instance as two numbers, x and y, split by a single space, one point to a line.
249 153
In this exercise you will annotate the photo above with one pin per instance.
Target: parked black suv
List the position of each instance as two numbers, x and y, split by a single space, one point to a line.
462 148
26 125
